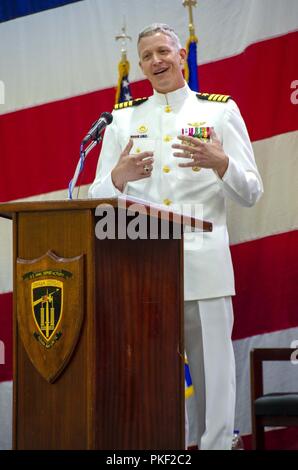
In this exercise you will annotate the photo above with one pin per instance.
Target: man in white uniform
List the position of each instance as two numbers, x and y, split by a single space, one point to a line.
180 147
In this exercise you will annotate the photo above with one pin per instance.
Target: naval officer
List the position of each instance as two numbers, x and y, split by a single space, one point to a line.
182 147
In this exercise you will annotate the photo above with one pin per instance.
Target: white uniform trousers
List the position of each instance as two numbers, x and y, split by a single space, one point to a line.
207 330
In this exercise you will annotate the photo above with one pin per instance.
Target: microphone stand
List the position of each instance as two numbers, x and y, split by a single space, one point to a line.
80 165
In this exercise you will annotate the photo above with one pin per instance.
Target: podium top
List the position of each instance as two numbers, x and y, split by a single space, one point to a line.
8 209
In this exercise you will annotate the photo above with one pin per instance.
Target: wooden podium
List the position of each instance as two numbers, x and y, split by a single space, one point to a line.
98 330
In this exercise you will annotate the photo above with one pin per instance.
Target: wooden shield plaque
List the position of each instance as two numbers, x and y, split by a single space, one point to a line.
50 308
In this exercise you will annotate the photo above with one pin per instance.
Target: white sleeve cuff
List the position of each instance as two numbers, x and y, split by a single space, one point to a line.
104 188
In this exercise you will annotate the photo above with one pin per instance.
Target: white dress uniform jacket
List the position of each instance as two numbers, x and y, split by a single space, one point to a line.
154 125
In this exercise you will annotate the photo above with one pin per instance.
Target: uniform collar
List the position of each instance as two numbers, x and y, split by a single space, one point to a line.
172 98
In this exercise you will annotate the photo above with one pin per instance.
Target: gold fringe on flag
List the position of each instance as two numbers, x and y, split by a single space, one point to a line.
192 38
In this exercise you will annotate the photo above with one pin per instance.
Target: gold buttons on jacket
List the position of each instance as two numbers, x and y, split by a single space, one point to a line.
167 202
138 150
168 108
166 169
167 138
196 168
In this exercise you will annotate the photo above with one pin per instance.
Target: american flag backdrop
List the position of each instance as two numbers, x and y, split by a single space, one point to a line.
59 72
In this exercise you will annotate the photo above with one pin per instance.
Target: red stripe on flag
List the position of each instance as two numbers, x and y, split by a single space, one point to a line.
259 80
266 273
6 335
41 144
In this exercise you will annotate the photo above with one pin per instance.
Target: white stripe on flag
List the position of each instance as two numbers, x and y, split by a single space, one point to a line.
277 210
87 55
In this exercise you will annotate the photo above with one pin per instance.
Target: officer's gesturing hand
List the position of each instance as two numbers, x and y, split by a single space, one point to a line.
132 167
202 154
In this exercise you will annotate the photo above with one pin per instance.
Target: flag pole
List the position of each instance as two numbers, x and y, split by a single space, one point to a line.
190 68
190 4
123 66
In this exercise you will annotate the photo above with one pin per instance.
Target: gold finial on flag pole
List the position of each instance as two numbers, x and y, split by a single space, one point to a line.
190 4
124 38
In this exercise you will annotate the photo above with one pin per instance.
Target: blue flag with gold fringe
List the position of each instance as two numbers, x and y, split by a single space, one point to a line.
191 66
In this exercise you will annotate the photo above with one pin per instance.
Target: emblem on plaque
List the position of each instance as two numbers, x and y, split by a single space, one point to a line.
47 306
50 310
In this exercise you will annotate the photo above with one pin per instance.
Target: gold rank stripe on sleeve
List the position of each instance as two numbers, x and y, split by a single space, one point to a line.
130 103
213 97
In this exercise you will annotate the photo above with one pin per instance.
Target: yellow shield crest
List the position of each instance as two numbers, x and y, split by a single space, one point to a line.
50 310
47 306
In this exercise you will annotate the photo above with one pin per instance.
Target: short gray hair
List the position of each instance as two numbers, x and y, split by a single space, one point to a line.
160 28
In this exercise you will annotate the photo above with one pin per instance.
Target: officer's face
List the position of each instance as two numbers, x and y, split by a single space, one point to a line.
161 62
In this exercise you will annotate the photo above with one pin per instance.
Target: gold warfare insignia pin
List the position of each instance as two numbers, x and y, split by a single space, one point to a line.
196 124
202 133
47 308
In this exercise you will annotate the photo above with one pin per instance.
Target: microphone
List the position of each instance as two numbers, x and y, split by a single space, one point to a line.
98 127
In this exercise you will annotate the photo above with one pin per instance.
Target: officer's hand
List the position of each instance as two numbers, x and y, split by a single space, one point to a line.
202 154
132 167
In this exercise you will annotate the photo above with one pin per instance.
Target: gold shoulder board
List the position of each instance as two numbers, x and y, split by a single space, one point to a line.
213 97
128 104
